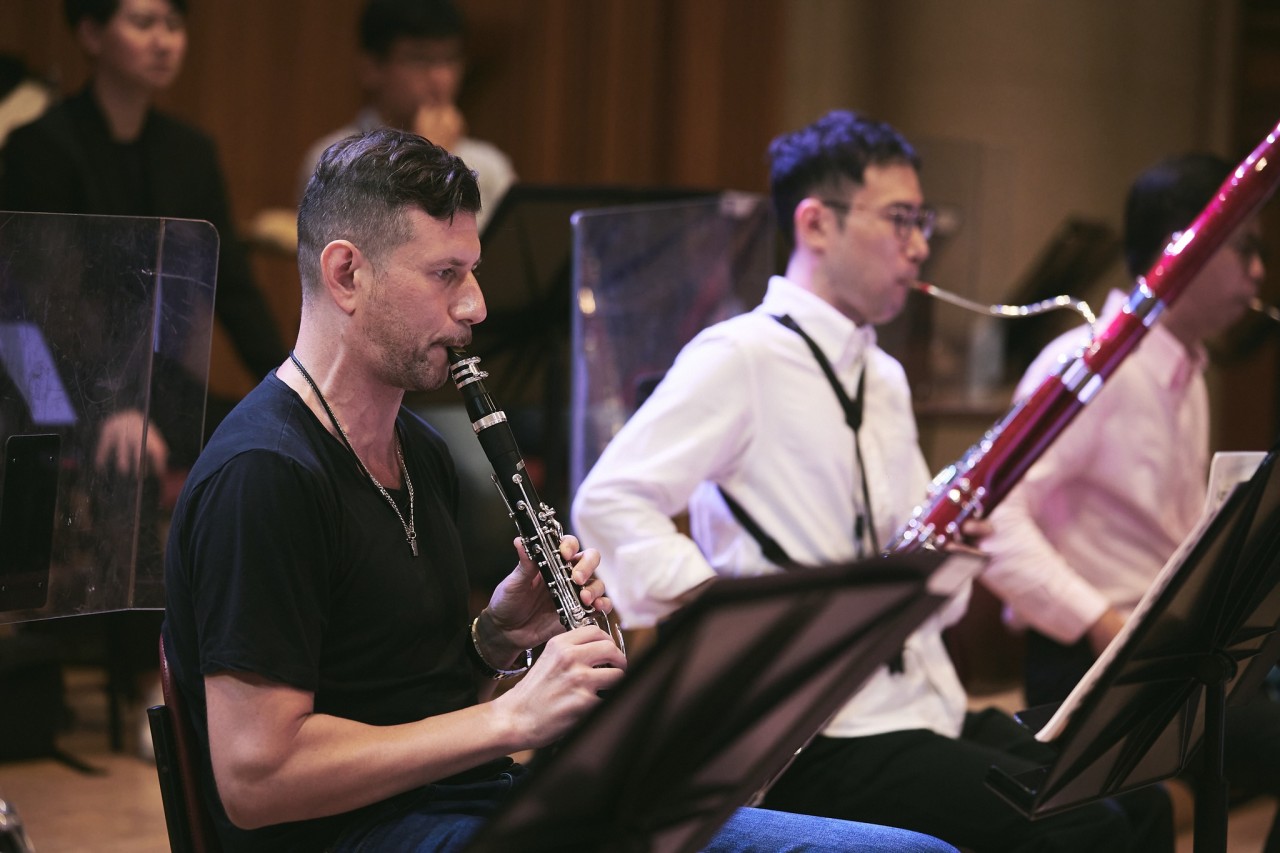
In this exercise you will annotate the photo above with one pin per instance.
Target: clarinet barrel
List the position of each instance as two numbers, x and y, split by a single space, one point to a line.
536 522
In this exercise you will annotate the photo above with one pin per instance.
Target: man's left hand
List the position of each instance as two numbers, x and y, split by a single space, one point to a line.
522 613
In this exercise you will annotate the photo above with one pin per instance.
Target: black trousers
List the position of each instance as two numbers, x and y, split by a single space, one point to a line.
920 780
1251 754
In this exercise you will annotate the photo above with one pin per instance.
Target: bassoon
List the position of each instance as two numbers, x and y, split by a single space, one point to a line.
984 475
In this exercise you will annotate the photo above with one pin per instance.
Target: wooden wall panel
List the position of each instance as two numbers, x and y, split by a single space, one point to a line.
615 91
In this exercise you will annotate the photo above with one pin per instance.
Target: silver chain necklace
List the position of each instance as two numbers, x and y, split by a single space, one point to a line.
410 534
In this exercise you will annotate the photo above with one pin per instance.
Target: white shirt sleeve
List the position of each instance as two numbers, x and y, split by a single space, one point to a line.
691 429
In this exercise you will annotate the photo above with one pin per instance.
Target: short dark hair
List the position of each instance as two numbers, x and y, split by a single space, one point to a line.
362 186
1164 199
828 155
101 11
384 21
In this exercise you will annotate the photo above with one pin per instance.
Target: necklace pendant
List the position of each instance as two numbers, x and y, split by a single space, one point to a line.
413 545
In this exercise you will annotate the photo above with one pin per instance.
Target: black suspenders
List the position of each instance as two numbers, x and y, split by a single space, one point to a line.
863 521
862 518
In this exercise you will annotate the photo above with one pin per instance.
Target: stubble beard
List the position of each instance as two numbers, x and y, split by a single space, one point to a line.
415 370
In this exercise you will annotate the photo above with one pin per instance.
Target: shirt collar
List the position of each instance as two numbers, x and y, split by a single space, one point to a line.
840 339
1174 365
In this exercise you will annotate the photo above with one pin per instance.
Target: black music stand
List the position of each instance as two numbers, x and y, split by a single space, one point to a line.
27 506
1207 636
736 683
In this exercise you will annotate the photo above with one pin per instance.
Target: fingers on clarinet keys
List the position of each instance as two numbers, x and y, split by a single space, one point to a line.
584 646
617 660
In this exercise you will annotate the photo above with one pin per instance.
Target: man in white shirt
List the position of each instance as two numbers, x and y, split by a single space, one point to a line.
1093 521
747 432
411 68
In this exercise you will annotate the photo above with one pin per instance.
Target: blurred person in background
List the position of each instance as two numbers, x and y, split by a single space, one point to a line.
412 61
1080 540
106 150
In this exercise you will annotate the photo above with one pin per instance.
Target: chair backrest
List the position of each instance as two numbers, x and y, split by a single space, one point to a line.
190 825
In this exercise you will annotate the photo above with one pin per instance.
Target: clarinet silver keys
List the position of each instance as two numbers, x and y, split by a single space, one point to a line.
536 522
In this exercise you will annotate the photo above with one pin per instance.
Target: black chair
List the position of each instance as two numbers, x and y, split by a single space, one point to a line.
190 825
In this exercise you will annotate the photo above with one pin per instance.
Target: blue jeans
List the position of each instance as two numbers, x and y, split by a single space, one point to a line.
444 819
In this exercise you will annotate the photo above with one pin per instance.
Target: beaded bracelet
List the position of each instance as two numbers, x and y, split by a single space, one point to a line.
488 670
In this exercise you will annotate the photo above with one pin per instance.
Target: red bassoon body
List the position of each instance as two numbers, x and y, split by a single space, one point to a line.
974 485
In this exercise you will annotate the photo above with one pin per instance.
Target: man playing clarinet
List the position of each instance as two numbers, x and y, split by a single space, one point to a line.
316 592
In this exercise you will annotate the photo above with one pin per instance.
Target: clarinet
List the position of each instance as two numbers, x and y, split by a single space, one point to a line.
536 522
982 478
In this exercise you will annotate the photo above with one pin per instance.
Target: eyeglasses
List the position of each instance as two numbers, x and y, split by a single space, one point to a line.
904 217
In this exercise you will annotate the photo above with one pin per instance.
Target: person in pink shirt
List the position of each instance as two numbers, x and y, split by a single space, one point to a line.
1081 538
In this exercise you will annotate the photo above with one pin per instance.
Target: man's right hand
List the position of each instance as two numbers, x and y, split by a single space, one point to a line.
442 124
1101 633
120 444
564 684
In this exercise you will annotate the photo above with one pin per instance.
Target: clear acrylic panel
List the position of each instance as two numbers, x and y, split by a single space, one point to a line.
647 279
105 327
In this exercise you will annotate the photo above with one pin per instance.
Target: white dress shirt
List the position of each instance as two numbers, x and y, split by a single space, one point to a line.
1099 513
747 407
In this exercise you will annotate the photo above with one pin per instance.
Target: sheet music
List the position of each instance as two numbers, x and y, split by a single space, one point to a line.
1227 471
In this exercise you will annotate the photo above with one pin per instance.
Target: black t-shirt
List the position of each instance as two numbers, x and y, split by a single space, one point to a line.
285 561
